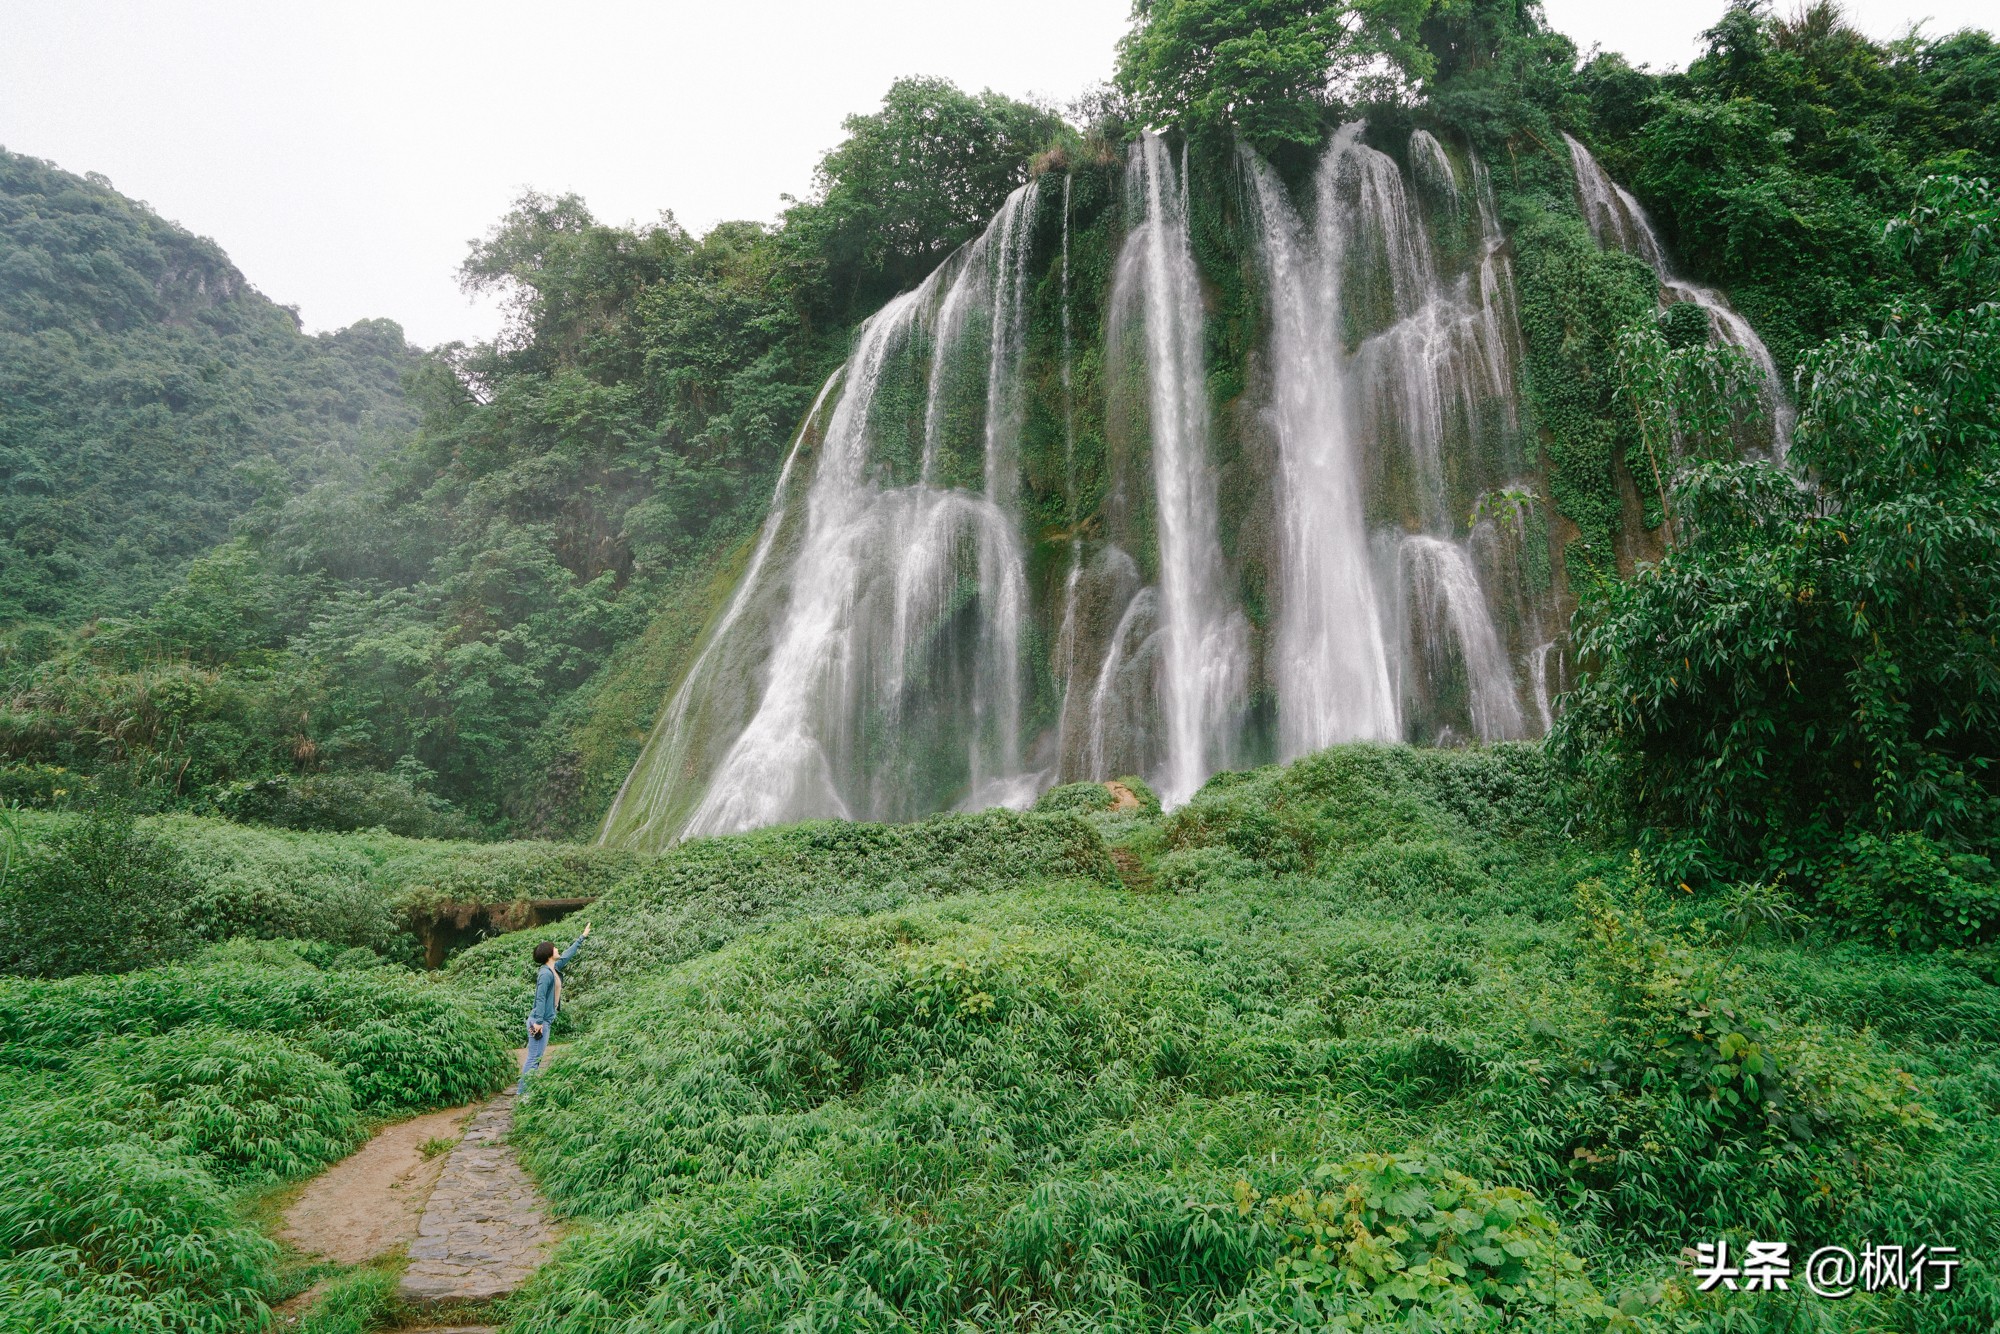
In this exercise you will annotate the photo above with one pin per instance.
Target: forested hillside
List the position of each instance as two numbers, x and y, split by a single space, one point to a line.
150 398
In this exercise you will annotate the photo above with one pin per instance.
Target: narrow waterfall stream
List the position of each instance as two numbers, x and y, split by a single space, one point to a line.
1617 219
1330 662
1156 304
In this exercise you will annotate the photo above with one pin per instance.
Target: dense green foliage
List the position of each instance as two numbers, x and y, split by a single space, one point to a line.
131 1105
874 1108
1811 670
149 397
97 895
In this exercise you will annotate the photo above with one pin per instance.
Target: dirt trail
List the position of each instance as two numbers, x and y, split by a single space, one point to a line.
369 1203
1122 798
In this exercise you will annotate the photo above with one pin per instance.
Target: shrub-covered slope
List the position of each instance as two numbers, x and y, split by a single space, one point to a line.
134 1107
1032 1094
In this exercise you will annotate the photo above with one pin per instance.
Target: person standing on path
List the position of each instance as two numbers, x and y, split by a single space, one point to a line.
548 999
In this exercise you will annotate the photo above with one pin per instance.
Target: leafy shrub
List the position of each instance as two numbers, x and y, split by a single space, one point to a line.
344 800
273 885
249 1105
426 878
98 894
353 1303
1426 871
42 785
101 1232
1402 1240
1077 798
1192 870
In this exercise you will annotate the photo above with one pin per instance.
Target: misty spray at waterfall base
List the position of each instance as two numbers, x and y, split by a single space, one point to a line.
1029 534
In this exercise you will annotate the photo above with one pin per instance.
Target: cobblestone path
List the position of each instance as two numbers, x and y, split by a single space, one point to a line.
484 1230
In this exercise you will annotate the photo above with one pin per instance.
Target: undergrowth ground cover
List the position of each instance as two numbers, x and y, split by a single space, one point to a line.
1379 1046
1373 1040
142 1112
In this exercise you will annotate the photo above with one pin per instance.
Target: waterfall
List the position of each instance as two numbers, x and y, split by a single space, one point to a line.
1203 661
650 800
1329 664
900 634
887 653
1617 219
1451 626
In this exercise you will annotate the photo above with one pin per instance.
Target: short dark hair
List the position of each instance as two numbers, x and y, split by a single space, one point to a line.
545 951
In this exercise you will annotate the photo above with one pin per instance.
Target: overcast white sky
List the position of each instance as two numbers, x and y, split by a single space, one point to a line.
345 151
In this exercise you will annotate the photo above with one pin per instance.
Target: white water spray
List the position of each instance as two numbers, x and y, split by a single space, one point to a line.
1202 670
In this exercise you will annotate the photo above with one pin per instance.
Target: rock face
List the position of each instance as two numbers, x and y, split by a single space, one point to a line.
485 1230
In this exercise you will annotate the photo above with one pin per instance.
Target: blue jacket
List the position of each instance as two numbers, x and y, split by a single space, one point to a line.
545 985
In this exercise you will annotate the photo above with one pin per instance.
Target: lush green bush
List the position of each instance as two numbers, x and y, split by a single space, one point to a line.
98 894
249 1105
1674 1094
401 1041
1906 890
1354 800
1809 665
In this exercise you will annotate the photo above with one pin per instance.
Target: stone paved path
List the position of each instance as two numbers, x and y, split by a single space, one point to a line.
484 1230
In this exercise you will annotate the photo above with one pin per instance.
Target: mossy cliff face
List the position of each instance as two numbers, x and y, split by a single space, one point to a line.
1363 401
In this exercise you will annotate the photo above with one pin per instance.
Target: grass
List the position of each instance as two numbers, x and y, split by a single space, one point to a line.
1052 1102
1364 1039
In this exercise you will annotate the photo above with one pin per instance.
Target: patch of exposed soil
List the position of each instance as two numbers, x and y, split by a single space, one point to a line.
1131 870
368 1203
1122 798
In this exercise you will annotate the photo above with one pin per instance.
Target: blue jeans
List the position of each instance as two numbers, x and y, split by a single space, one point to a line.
536 1046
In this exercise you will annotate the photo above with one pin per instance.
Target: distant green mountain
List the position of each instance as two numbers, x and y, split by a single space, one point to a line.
149 396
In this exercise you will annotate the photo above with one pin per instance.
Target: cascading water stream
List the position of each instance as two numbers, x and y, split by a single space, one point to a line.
873 583
671 736
779 768
1448 613
1066 634
1203 663
1419 386
1329 663
1618 219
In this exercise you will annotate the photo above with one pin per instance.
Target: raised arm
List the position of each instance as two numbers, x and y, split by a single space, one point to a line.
575 945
